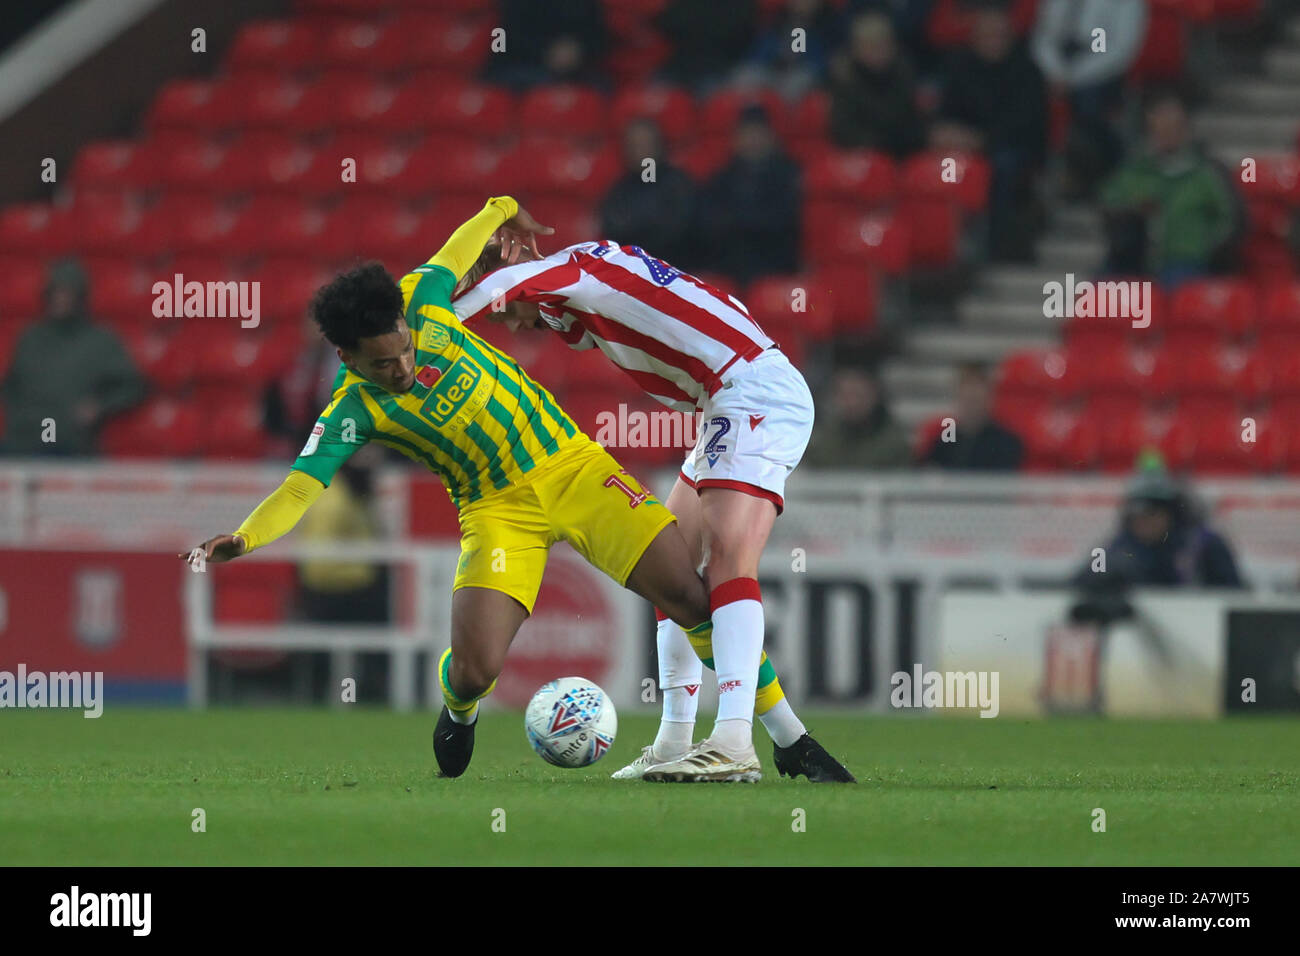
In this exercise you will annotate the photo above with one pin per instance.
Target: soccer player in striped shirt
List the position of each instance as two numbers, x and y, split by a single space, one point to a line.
690 346
518 470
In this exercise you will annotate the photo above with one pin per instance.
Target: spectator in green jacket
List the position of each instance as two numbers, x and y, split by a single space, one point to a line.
1169 208
854 428
67 376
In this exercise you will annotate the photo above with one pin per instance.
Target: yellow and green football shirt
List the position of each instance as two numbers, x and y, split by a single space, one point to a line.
473 416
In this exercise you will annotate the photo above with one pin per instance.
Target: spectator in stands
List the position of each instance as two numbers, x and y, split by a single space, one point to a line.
793 63
873 94
560 41
1091 80
292 402
994 101
652 213
909 18
855 428
1170 211
977 442
1162 541
709 40
66 371
749 213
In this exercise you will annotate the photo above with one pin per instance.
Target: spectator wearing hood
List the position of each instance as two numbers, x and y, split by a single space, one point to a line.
1163 542
68 369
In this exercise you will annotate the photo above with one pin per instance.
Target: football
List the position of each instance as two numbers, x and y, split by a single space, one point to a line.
571 722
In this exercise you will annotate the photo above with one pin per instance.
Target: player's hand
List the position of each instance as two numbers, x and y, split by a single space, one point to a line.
224 547
519 237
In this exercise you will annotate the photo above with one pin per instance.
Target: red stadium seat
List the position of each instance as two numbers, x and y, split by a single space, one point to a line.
1281 308
1277 180
456 47
161 428
830 236
365 45
1031 372
121 290
237 357
672 108
1101 371
22 285
35 228
935 229
184 103
566 111
852 290
1226 305
1164 49
276 45
964 183
287 287
472 110
234 429
192 165
564 170
463 170
265 163
860 176
572 221
115 163
792 307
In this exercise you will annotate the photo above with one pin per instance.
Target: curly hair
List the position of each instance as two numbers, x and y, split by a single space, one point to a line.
357 304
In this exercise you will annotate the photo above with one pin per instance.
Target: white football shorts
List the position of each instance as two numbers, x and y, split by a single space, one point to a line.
754 429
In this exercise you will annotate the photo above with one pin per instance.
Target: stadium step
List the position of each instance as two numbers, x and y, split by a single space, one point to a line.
1015 282
1253 94
918 380
1001 313
1283 63
1076 221
973 345
1071 254
1219 126
912 413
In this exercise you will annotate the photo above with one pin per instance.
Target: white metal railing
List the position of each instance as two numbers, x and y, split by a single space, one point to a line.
176 504
418 606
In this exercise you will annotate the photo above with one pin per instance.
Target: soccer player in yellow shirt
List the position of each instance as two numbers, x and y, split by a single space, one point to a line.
520 472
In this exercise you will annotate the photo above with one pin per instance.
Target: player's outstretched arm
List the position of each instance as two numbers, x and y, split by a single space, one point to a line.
274 517
503 214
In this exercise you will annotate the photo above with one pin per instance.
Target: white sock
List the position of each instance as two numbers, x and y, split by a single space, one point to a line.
783 725
674 738
680 671
466 717
737 650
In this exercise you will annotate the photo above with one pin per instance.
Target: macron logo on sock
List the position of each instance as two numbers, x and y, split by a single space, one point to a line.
691 689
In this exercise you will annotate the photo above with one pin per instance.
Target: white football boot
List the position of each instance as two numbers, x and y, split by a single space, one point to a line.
708 763
637 768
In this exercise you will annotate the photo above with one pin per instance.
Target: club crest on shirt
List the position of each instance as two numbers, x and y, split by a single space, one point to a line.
436 337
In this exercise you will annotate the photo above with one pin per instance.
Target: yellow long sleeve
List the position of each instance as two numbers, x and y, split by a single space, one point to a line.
467 242
280 511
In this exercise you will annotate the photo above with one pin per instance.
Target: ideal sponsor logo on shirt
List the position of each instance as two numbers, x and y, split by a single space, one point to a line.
452 391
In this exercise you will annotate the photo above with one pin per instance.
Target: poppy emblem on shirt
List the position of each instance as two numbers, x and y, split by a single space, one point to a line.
428 375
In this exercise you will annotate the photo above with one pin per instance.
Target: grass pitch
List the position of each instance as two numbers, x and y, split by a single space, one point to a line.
359 787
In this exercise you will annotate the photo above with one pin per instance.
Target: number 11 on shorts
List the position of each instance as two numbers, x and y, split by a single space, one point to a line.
635 498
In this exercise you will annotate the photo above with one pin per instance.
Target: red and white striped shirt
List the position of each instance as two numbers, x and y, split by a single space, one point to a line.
673 334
